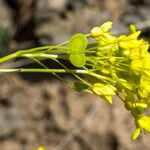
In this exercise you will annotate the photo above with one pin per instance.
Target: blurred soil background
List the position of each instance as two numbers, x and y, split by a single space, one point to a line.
38 109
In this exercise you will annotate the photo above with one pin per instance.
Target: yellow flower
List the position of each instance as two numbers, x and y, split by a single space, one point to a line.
144 46
146 62
144 123
136 65
41 148
105 91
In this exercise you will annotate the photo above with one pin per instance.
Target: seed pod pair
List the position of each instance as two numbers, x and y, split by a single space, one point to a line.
77 46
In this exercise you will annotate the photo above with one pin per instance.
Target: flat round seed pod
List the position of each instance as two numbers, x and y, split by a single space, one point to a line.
77 43
77 59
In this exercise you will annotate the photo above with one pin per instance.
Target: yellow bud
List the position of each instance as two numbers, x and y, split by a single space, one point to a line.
132 28
140 107
96 31
129 44
141 104
144 123
105 71
112 59
103 90
136 134
134 35
108 99
106 26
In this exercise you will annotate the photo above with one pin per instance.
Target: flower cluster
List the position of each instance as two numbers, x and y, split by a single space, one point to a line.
112 65
127 62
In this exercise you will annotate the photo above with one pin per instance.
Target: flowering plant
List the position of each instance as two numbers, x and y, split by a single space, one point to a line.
112 65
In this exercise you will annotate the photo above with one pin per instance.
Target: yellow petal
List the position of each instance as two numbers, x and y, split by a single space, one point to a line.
144 123
96 31
108 99
136 134
106 26
41 148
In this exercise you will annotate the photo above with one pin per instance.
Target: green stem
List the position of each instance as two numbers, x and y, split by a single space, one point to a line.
8 57
41 55
78 71
44 70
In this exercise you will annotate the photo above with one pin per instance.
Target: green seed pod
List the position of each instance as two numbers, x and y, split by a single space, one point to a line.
77 43
77 59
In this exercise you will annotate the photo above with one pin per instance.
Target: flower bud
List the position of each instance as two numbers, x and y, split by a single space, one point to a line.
134 35
41 148
95 32
108 99
132 28
106 26
136 134
105 90
129 44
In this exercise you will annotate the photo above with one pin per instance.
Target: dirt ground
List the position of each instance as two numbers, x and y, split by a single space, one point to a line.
38 109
